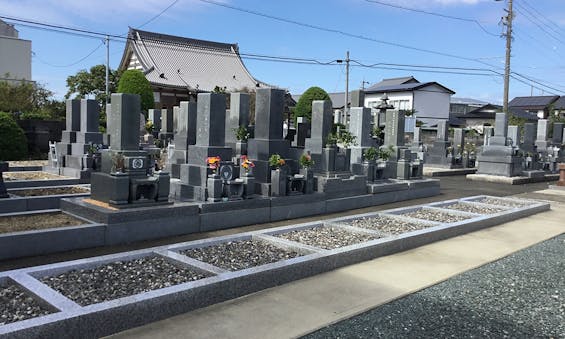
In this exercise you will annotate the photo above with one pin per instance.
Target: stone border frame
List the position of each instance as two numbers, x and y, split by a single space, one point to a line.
112 316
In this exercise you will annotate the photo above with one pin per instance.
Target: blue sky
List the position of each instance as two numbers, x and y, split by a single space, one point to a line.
538 48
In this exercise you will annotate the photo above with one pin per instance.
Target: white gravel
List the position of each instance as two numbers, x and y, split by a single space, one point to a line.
434 215
502 202
389 224
238 255
474 208
17 305
327 237
120 279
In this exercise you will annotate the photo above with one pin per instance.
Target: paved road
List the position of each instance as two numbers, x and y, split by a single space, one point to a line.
451 188
520 296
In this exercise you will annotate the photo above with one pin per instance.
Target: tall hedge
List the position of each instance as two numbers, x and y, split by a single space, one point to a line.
134 81
304 105
13 142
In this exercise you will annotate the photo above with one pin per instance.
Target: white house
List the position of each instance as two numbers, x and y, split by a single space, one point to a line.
429 100
15 55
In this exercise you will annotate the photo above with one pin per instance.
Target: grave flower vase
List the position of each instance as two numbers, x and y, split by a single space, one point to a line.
369 169
309 180
214 187
278 182
240 148
248 184
87 161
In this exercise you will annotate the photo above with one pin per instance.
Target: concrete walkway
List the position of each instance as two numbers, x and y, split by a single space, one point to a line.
306 305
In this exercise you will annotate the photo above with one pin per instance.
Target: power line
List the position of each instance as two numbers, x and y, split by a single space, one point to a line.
434 14
344 33
546 19
539 83
71 64
159 14
533 20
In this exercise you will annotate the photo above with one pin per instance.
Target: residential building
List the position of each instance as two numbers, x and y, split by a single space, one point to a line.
559 107
428 100
464 105
179 68
485 116
540 105
15 55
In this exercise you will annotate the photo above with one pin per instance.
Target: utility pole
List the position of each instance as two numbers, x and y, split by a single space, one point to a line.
346 88
508 22
107 69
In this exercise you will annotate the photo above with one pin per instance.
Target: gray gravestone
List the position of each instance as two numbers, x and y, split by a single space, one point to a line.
558 133
238 116
530 133
72 121
442 131
357 98
125 108
360 126
4 167
394 128
514 135
500 130
176 113
186 129
302 131
210 119
458 140
321 127
155 117
488 133
541 138
269 114
417 139
167 121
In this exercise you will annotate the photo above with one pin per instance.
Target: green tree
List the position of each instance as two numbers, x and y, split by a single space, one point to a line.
134 81
13 142
304 105
92 82
31 100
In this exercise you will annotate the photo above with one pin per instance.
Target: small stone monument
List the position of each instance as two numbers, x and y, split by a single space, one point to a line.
185 136
499 157
166 134
320 130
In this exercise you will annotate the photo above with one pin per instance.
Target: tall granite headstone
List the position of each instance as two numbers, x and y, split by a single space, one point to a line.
238 116
302 132
155 117
514 135
458 140
357 98
360 126
557 137
268 140
530 134
4 167
166 126
320 128
438 155
488 133
185 136
541 138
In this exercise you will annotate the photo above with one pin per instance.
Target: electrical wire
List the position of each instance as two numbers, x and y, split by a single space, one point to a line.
533 20
445 16
71 64
158 14
545 19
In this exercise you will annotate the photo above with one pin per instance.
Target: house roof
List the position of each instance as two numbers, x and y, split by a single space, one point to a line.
396 81
467 101
177 62
560 103
489 111
412 86
533 102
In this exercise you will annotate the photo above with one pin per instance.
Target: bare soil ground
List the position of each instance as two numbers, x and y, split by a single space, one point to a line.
36 192
37 221
31 175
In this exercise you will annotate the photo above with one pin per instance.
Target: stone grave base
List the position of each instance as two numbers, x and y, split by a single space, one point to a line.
16 203
431 171
105 318
518 180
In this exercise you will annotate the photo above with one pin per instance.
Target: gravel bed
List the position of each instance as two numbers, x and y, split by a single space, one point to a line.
120 279
474 208
433 215
28 163
38 221
501 202
17 305
239 255
327 237
36 192
389 225
519 296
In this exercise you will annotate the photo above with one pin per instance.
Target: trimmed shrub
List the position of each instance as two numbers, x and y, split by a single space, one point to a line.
304 105
133 81
13 142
